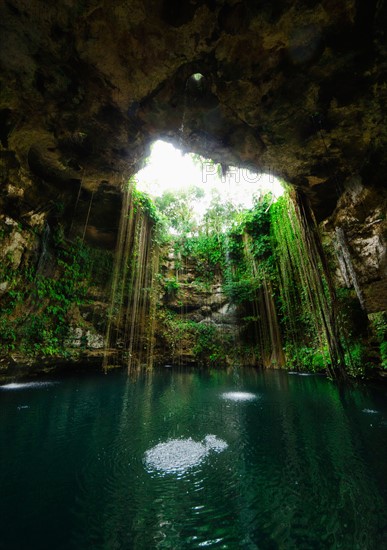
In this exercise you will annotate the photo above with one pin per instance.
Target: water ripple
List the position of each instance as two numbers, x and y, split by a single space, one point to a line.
114 468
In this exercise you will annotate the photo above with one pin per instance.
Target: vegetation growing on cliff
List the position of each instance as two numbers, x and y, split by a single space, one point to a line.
262 267
273 269
40 296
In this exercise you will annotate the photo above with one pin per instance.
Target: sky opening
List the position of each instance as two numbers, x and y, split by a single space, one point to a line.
168 169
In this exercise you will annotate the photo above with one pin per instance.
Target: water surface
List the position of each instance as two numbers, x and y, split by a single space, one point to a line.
181 459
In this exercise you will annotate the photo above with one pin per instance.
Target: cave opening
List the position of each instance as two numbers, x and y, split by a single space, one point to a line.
207 264
183 230
170 171
221 270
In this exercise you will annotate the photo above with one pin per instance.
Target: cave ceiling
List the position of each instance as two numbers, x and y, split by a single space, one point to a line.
297 88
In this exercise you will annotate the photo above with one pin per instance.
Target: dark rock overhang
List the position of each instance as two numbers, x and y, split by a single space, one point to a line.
297 88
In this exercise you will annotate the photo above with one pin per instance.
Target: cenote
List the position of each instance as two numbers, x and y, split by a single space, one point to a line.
193 275
189 458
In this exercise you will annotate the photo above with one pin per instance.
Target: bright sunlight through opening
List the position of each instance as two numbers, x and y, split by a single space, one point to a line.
168 169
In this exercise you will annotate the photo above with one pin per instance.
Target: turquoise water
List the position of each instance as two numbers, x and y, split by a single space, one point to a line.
182 459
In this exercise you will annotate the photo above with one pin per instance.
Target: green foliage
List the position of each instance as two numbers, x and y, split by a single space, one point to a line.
208 345
144 202
7 334
207 251
379 325
320 359
352 318
383 354
305 358
211 346
303 299
234 247
101 266
356 359
251 258
242 290
173 330
177 208
257 223
171 285
34 318
219 216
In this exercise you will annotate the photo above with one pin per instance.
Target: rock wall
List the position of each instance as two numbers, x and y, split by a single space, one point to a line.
298 88
54 299
360 238
196 322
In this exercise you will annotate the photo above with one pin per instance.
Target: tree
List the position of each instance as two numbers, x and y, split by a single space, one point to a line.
219 215
178 207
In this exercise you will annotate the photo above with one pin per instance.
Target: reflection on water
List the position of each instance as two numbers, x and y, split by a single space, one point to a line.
179 455
239 396
301 373
110 462
25 385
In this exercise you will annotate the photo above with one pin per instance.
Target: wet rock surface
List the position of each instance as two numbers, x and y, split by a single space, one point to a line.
360 218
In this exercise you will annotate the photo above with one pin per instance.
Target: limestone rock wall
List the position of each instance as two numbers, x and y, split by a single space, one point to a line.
297 88
190 306
54 297
358 228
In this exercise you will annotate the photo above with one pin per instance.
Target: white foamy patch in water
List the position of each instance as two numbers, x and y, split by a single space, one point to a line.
179 455
215 444
239 396
25 385
370 411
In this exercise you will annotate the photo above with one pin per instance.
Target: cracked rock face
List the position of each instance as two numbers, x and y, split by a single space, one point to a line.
295 88
360 218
